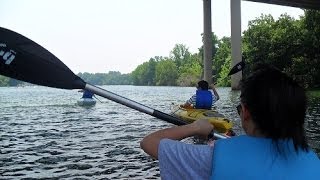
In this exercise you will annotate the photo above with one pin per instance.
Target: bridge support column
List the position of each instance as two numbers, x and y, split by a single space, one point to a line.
207 41
236 55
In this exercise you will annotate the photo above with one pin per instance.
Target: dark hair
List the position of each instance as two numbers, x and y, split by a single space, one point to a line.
203 85
277 105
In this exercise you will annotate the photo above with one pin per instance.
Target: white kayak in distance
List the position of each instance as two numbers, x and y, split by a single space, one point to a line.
86 102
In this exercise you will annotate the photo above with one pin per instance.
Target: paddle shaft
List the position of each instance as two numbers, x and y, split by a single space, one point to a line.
97 99
140 107
132 104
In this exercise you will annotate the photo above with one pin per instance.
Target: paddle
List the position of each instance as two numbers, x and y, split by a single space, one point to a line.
97 98
236 68
25 60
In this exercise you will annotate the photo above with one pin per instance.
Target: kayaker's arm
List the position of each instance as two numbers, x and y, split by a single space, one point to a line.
215 91
188 104
151 142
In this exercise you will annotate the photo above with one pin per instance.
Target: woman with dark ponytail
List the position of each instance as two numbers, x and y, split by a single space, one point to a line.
277 106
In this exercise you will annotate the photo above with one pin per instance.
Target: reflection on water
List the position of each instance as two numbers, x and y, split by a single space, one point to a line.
313 121
44 134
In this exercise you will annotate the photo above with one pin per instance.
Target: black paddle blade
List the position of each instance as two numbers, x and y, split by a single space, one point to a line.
236 68
25 60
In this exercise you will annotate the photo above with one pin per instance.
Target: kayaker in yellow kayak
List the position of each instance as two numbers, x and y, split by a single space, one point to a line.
204 98
272 110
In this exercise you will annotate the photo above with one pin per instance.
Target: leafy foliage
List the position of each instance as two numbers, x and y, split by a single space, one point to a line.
4 81
180 55
166 73
110 78
289 44
222 61
190 73
224 79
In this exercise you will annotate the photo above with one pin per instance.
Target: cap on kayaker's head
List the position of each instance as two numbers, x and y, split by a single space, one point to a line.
203 85
276 104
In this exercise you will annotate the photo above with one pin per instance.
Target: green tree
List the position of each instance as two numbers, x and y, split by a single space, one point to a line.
139 74
110 78
151 72
116 78
145 73
257 40
224 79
223 53
4 81
180 55
310 25
166 73
93 78
190 73
270 41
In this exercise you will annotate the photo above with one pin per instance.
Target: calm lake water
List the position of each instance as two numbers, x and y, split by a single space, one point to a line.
45 135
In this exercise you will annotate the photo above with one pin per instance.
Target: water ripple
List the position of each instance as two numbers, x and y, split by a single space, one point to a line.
44 135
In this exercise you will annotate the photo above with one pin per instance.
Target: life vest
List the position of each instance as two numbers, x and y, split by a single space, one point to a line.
204 99
252 158
87 94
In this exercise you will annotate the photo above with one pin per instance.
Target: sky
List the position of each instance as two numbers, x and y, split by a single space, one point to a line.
118 35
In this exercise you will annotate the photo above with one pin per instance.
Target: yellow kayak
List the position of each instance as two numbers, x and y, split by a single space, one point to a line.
189 115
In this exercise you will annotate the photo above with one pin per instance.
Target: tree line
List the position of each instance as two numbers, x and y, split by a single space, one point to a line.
289 44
